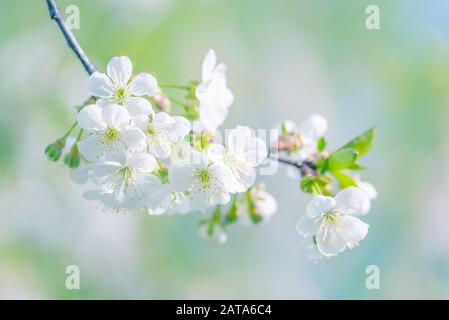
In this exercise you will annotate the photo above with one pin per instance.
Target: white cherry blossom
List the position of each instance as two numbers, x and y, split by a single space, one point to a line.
118 86
213 94
110 133
332 221
162 131
205 183
242 154
128 183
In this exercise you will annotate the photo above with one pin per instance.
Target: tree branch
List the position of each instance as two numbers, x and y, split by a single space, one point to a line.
305 167
286 161
72 42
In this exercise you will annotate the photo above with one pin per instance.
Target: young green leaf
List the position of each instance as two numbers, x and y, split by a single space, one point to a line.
344 180
356 166
321 144
342 159
362 143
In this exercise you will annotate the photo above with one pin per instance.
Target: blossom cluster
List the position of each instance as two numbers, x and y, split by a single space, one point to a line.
331 224
139 155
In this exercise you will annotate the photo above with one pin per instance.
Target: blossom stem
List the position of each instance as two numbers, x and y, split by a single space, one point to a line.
174 86
72 42
80 134
305 167
70 130
179 102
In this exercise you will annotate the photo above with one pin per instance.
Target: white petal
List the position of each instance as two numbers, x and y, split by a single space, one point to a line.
104 102
224 175
209 63
368 188
314 254
138 106
94 194
266 204
219 72
319 205
216 152
133 139
105 172
120 69
329 241
220 198
161 148
238 137
306 226
211 116
144 162
352 199
115 116
199 200
80 175
181 203
90 118
163 120
352 229
99 85
215 100
139 194
90 148
142 121
255 151
365 208
143 84
180 129
180 177
314 127
243 179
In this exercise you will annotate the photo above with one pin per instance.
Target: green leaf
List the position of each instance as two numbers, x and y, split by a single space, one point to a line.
321 144
356 166
363 142
344 180
342 159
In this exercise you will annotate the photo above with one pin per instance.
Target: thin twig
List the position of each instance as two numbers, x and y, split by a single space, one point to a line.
298 165
55 14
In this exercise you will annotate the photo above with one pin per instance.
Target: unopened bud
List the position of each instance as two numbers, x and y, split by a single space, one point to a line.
72 159
162 101
54 150
213 232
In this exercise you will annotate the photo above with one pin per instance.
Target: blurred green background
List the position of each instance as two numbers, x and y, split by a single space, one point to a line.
286 59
